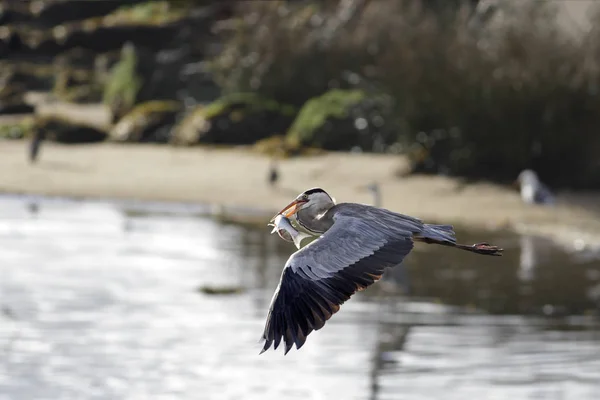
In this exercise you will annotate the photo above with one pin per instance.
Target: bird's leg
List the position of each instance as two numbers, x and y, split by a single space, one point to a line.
482 248
479 248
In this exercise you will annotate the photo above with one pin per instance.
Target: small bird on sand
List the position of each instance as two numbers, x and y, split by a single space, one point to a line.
273 176
532 190
376 192
35 145
397 276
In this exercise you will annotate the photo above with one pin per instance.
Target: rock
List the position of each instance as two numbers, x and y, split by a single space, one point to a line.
14 12
342 120
16 106
235 119
80 57
12 100
151 24
31 76
17 128
277 146
147 122
84 94
76 85
64 130
221 290
97 116
57 12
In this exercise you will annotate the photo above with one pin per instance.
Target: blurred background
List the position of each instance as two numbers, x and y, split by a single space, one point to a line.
144 145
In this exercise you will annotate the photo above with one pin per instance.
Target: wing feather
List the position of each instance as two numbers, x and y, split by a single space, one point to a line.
320 277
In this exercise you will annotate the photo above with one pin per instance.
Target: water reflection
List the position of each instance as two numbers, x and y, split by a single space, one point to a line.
99 300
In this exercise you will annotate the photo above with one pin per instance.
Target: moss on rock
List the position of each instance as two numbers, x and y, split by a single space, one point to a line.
75 86
278 146
16 129
147 122
30 75
12 100
123 84
242 118
150 13
340 120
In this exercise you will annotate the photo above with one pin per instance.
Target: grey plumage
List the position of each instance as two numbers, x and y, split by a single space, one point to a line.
358 243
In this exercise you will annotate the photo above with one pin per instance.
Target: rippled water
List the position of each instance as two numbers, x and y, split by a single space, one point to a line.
101 301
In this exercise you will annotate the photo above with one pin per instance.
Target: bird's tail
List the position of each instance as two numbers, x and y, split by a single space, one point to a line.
445 236
439 233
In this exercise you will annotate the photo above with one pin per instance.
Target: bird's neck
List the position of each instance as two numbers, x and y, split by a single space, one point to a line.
299 238
315 222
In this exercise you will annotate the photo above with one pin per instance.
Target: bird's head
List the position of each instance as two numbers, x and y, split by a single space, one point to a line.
526 177
316 199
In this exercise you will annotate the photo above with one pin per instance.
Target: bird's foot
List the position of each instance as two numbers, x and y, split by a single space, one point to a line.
486 248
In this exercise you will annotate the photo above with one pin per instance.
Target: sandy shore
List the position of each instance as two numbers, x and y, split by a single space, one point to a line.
237 177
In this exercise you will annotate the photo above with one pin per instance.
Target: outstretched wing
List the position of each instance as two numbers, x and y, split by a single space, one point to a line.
320 277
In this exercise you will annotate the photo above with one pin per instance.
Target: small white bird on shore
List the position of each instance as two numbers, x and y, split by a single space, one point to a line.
374 189
532 190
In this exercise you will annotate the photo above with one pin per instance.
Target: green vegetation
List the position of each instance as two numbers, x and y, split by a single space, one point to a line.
460 92
123 85
141 123
76 86
474 97
233 119
252 102
317 111
151 13
221 290
16 130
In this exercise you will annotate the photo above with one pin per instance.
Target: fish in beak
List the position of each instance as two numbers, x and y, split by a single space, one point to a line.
289 210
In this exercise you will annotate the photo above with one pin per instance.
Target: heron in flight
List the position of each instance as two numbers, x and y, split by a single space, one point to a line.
355 244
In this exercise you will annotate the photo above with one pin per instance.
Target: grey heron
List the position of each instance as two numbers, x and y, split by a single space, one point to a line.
355 244
532 190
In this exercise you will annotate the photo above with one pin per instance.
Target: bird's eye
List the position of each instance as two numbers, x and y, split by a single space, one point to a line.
304 197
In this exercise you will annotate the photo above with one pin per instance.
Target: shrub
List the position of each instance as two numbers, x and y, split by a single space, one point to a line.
342 120
147 122
123 85
479 98
240 118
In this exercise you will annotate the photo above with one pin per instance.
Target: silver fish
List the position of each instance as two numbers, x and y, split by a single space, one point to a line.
286 231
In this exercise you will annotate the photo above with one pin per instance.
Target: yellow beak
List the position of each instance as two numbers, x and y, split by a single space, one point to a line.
290 209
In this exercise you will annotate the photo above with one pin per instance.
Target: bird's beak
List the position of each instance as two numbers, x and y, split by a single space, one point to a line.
290 209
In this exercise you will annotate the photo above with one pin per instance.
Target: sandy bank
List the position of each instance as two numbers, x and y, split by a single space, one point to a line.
237 177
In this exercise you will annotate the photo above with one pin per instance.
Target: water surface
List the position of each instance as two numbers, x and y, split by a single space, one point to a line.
100 300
